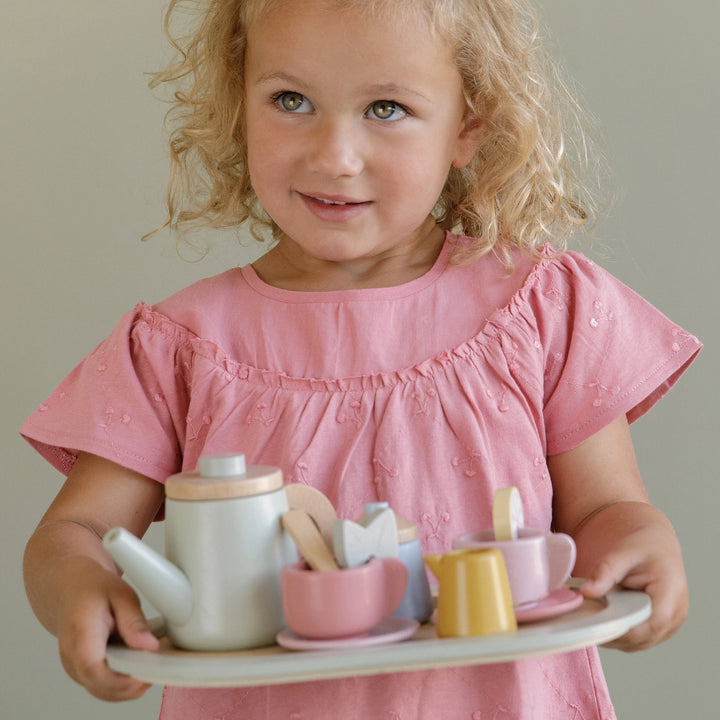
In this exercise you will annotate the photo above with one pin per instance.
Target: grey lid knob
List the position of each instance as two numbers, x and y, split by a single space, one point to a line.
224 465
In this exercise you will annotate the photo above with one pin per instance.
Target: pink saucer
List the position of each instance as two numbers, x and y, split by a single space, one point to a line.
389 630
559 601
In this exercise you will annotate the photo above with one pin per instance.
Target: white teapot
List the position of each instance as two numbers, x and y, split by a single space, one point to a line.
219 588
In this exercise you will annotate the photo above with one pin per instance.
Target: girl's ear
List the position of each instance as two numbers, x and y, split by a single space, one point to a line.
468 141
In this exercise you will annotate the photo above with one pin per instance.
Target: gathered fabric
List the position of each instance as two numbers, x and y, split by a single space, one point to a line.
429 395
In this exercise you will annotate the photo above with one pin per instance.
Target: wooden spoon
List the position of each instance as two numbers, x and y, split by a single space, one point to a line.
316 505
309 541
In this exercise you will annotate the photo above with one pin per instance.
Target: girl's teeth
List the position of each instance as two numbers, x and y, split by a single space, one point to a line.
331 202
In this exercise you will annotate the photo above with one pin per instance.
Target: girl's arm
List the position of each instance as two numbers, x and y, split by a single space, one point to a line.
74 586
600 500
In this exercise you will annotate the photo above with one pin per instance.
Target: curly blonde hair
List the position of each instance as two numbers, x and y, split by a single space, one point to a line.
518 191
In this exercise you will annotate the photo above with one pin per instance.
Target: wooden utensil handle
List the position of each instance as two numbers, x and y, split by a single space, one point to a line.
309 541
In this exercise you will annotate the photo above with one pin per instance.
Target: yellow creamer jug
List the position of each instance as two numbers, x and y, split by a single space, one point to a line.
474 596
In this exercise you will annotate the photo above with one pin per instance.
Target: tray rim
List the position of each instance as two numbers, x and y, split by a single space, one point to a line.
594 623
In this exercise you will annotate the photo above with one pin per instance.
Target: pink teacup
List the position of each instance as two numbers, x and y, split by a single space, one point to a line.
537 563
341 603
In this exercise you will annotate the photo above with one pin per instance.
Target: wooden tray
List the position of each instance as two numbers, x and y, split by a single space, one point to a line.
593 623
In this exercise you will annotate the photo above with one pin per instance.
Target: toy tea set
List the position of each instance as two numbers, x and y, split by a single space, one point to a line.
232 579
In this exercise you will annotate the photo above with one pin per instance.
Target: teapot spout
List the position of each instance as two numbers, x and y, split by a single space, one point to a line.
163 584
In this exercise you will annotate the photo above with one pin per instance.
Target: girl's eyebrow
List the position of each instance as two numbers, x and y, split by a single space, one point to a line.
380 90
280 75
388 90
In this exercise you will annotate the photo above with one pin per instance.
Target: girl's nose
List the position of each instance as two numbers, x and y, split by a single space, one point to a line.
335 150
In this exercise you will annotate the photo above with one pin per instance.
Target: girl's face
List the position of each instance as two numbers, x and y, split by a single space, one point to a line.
352 126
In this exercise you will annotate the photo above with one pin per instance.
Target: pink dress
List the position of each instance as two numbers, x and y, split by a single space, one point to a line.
429 395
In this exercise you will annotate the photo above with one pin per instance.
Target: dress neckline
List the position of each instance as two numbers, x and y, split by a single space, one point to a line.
364 294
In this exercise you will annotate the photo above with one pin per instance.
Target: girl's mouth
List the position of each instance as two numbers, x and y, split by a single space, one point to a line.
333 202
334 208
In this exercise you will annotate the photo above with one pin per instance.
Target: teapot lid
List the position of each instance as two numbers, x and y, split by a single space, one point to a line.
221 477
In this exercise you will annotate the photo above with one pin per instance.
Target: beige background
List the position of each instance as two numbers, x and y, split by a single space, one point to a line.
83 168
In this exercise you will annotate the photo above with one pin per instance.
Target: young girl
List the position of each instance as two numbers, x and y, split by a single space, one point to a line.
416 334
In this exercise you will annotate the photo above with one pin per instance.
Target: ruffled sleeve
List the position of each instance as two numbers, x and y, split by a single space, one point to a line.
607 351
126 401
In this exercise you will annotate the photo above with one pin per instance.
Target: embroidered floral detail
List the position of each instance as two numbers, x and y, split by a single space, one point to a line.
558 298
112 417
678 334
195 429
600 313
383 474
512 356
101 367
350 411
577 712
109 415
300 474
435 523
502 712
422 398
553 361
260 417
468 464
602 391
43 407
295 715
501 404
539 462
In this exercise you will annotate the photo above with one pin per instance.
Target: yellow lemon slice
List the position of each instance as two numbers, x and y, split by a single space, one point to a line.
507 514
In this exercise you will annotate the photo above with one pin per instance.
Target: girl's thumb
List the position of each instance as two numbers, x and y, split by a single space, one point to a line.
133 628
607 574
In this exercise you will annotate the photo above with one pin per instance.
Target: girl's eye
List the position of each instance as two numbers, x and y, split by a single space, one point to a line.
386 110
293 102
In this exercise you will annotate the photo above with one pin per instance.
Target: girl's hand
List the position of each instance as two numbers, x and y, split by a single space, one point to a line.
73 584
95 604
648 558
600 500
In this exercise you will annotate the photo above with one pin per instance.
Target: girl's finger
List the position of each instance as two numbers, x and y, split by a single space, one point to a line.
132 626
614 569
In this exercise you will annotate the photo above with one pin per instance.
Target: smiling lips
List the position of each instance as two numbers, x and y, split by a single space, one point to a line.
332 208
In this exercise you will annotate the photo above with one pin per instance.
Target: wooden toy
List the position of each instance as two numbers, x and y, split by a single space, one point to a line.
316 505
219 588
355 543
309 541
507 513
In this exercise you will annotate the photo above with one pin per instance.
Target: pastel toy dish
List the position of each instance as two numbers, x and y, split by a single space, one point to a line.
537 562
342 603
